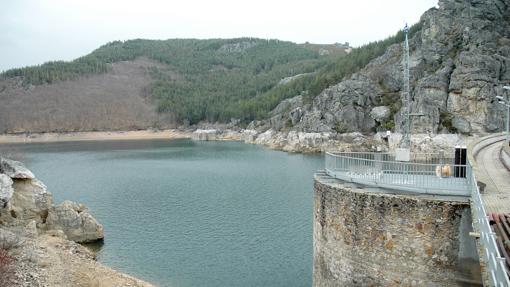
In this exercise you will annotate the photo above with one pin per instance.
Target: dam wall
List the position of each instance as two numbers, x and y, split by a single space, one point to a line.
376 237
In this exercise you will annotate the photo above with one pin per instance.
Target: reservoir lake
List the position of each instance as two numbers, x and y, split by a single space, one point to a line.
185 213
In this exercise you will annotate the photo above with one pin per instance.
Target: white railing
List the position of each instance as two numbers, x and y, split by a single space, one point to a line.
426 173
495 264
430 174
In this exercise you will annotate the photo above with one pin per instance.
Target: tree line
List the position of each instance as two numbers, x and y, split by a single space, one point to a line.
218 79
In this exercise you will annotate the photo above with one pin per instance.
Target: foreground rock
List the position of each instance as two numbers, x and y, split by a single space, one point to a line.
75 221
15 169
204 135
30 201
41 237
5 190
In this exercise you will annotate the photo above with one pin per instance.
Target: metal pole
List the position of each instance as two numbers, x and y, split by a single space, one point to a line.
406 99
507 137
507 124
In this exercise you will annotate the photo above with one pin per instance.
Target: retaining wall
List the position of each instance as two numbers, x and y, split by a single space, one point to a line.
375 238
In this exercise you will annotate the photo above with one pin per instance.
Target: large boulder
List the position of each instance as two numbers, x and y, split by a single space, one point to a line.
26 207
30 201
5 190
380 113
461 124
76 222
204 135
249 136
15 169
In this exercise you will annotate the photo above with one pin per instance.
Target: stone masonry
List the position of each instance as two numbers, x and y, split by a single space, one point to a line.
374 237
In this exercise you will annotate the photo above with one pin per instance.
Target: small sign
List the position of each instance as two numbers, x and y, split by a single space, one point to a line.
402 154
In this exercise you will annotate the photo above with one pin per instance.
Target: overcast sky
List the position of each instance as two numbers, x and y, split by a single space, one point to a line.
36 31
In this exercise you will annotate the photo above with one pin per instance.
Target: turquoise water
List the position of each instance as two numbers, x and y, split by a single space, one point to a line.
183 213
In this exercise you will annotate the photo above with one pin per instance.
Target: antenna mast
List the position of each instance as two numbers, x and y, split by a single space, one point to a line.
406 95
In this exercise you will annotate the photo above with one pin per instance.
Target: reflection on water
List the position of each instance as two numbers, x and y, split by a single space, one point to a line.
183 213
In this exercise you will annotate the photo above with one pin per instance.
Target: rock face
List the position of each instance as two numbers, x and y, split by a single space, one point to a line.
343 108
26 203
459 60
5 190
204 135
461 124
314 142
76 222
380 114
15 169
237 47
427 143
30 201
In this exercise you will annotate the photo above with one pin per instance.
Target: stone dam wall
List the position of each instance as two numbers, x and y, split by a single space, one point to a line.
371 237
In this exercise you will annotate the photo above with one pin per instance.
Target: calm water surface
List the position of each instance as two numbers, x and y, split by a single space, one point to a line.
183 213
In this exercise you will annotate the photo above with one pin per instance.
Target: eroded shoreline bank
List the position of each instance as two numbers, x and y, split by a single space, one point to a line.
289 141
94 136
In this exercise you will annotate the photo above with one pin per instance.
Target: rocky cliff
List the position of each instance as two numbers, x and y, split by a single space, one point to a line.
459 59
38 239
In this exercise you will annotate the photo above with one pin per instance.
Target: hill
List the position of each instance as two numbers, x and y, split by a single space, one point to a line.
460 59
459 62
149 83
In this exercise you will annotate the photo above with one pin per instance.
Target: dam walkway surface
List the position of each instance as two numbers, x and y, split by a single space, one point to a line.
439 175
495 176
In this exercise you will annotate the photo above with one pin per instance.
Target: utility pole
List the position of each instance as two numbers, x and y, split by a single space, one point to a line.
403 153
506 103
406 95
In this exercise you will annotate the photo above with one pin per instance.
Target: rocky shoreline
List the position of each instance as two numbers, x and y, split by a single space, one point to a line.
320 142
288 141
39 241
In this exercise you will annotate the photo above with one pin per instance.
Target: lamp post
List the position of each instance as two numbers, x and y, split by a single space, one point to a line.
506 103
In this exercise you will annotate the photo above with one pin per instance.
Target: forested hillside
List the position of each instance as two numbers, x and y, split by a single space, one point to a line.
199 79
185 80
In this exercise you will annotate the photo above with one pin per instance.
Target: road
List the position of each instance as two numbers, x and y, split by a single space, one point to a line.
493 173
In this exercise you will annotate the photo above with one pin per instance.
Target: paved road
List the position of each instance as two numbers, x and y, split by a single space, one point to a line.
497 178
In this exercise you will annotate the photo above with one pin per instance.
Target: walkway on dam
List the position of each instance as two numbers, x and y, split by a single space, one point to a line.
496 177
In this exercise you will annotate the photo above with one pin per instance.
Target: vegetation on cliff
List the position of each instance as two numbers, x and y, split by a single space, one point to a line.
216 79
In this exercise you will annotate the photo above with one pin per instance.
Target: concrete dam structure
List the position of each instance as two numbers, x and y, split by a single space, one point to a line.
372 236
375 238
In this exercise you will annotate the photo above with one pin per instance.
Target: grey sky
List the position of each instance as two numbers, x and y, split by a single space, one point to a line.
36 31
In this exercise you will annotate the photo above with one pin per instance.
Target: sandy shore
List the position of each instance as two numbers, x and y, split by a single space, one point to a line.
93 136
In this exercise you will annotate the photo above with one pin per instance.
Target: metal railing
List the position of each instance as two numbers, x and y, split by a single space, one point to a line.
425 173
429 174
495 264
